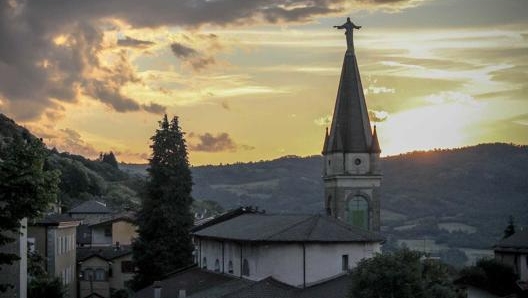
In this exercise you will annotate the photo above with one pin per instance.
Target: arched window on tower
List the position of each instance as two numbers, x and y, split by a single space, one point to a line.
357 212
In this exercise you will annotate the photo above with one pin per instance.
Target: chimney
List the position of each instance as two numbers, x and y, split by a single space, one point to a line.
157 289
182 294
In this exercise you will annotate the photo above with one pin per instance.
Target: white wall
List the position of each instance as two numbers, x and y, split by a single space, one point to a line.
284 261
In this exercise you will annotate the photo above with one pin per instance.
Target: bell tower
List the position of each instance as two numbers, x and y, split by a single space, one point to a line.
351 151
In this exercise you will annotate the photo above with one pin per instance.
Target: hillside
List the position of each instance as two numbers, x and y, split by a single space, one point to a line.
461 197
83 179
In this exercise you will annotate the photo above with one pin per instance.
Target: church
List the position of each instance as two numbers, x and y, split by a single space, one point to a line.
247 251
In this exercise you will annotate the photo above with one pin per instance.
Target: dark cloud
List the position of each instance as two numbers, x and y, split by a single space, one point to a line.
39 72
182 51
134 43
195 59
154 108
220 142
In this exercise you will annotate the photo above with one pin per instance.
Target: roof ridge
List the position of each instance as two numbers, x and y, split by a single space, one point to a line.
290 226
316 217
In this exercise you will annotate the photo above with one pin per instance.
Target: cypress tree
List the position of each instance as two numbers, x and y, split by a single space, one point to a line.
164 220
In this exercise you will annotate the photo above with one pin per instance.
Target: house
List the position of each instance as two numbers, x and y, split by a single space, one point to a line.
53 237
102 270
90 210
196 283
16 273
513 251
297 250
107 230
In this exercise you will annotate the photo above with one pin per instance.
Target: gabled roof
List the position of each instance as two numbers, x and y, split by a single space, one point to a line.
517 242
266 288
107 253
287 228
108 219
204 223
91 206
196 283
350 130
57 220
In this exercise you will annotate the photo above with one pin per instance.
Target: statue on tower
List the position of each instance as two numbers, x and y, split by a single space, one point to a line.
349 28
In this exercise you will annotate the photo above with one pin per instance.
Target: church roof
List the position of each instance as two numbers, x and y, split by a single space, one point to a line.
350 130
287 228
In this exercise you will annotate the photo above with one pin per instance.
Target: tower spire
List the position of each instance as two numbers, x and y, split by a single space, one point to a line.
350 120
351 151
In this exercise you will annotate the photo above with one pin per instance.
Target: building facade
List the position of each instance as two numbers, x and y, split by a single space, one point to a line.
53 237
513 251
103 271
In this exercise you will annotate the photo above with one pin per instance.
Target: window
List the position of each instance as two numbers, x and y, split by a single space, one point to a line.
230 267
100 274
329 206
108 231
127 267
88 274
217 266
357 209
245 268
31 244
204 263
344 263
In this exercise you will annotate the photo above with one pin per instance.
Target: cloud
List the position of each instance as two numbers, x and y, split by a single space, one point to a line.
195 59
221 142
154 108
50 53
378 116
452 97
134 43
70 140
324 120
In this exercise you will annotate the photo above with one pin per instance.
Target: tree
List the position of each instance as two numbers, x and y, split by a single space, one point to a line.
510 229
164 220
401 274
109 158
40 284
491 275
26 189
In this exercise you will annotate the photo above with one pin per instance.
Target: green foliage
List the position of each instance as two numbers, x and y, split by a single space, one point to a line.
109 158
206 208
45 287
164 244
510 229
27 189
401 274
491 275
453 256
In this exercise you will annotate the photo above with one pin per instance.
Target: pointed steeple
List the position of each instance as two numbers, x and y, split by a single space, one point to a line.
350 120
325 140
375 148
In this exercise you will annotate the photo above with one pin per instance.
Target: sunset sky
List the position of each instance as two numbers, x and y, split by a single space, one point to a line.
257 79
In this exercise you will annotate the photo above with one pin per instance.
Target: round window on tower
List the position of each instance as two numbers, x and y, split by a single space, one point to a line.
357 161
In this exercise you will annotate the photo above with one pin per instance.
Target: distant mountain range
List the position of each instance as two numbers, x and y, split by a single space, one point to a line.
460 197
465 194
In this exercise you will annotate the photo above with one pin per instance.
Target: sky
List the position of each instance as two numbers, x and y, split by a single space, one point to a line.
257 80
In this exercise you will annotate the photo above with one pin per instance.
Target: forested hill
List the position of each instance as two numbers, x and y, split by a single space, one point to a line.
83 179
478 186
